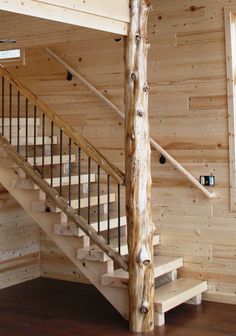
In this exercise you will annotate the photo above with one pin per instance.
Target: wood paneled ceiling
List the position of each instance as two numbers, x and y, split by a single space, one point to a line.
33 32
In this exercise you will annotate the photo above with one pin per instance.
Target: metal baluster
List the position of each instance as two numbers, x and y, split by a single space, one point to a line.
10 113
69 191
98 177
18 121
108 209
89 189
61 149
51 168
79 178
35 134
26 127
43 143
119 227
3 104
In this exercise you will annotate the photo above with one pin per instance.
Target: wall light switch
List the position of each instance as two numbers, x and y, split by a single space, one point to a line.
207 180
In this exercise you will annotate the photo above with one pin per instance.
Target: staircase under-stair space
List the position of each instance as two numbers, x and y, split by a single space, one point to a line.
77 197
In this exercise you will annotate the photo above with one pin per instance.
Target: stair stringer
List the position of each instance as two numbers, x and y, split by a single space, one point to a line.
92 270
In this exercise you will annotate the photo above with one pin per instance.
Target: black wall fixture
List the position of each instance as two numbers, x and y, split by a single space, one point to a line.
162 159
69 76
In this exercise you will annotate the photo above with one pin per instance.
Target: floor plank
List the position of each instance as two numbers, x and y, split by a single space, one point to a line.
57 308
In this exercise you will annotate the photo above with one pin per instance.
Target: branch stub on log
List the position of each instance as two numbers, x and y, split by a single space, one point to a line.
138 38
133 76
140 113
144 308
146 88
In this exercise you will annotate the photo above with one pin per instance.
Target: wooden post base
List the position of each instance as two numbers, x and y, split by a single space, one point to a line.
172 275
196 300
159 319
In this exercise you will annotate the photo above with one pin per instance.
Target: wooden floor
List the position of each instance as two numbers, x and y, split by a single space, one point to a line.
56 308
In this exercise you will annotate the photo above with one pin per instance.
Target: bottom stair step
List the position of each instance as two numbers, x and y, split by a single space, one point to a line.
175 293
162 265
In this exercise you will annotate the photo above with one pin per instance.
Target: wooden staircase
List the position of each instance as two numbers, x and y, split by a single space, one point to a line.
77 196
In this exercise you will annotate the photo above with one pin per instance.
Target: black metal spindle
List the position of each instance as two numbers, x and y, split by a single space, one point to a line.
119 227
10 113
61 149
89 189
3 104
98 216
79 179
35 135
108 209
69 189
51 168
18 121
26 127
43 143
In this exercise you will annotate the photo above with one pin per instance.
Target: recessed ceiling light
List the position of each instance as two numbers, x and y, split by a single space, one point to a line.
7 41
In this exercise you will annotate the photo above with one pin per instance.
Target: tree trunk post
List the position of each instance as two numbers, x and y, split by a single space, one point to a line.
138 171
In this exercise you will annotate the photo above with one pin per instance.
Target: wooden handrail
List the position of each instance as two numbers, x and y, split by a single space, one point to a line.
190 177
63 204
84 144
85 82
154 144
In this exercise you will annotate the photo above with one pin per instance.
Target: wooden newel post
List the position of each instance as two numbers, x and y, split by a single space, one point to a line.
138 174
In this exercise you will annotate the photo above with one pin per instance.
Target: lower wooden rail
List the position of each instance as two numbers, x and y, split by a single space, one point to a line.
154 144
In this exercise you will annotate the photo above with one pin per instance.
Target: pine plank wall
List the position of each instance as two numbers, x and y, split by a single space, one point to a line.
19 243
188 117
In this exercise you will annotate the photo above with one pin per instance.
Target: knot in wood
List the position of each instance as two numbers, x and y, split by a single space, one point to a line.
150 8
137 38
146 88
130 137
140 113
133 76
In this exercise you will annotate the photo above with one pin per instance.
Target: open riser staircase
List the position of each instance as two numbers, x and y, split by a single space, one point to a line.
77 197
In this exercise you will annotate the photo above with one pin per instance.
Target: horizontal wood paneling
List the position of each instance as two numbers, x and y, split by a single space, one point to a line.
19 244
207 102
200 37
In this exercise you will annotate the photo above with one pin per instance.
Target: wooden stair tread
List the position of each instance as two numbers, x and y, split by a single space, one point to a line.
40 205
162 265
72 230
25 183
56 159
177 292
39 140
84 200
22 122
74 180
94 253
47 160
21 131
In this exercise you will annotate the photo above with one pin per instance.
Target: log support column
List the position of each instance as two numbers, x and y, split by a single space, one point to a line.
138 175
